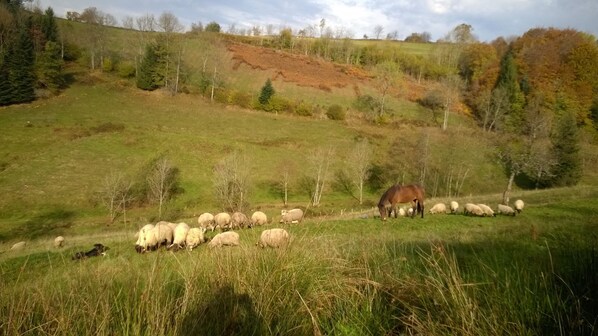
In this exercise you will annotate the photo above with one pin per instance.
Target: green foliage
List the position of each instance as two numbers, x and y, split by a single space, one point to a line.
266 92
49 27
285 38
50 64
146 78
509 81
125 69
336 112
366 104
565 149
18 68
212 27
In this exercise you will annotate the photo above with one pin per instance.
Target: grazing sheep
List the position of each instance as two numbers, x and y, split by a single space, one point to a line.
519 205
164 233
505 210
292 216
472 209
409 212
258 218
438 208
141 237
59 241
18 246
487 210
206 221
194 238
402 212
273 238
239 221
229 238
222 221
179 236
454 207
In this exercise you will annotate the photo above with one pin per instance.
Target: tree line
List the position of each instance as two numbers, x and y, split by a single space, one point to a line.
31 58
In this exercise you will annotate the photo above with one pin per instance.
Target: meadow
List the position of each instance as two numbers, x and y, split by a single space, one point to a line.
533 274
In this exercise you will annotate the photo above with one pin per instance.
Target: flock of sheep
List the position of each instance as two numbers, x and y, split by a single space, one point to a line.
179 236
481 210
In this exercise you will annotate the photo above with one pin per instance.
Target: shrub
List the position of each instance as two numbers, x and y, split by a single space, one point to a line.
336 112
126 70
304 109
240 99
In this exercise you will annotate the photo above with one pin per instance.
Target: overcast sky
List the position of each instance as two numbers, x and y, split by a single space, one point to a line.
489 18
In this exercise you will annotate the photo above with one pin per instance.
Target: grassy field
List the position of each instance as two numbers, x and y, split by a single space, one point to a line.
533 274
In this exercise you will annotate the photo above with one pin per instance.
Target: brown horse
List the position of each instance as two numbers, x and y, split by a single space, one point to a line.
412 193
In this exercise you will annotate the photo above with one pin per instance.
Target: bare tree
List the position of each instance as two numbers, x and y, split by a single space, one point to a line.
162 182
359 165
318 165
378 30
387 75
115 194
232 182
451 91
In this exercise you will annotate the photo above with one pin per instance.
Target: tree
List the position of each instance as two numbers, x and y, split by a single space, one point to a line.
49 65
565 149
359 165
21 66
212 27
266 93
49 27
115 195
318 165
378 29
462 33
387 75
508 81
162 181
147 69
232 182
451 91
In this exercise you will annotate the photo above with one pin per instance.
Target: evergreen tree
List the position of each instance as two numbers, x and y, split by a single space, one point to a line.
565 150
21 66
145 77
50 67
5 87
508 81
266 93
49 27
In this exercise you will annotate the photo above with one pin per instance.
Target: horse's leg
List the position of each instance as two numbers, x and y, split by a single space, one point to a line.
421 205
393 207
414 208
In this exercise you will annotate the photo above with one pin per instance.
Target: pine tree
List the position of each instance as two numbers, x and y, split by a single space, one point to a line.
21 66
49 27
508 81
5 87
565 150
266 93
50 67
145 77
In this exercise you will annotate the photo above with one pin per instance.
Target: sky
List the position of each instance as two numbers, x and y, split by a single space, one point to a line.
355 18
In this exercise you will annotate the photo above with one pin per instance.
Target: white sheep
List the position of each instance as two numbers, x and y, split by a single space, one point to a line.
222 221
179 236
274 238
59 241
487 210
409 211
228 238
194 238
206 220
506 210
152 239
438 208
258 218
472 209
454 206
142 236
292 216
402 212
239 220
519 205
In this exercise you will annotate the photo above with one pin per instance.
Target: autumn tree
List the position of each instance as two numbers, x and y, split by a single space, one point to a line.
358 166
232 179
162 182
450 91
388 75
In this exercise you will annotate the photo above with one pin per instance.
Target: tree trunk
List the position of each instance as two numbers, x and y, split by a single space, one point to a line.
505 195
446 115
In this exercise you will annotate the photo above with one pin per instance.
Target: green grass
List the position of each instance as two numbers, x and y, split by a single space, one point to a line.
533 274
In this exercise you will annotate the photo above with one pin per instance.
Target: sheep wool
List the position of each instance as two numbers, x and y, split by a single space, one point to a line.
472 209
228 238
292 216
487 210
505 210
454 207
194 238
438 208
206 220
59 241
259 218
519 205
274 238
222 221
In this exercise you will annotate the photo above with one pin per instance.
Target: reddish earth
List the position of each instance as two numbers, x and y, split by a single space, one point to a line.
312 72
299 69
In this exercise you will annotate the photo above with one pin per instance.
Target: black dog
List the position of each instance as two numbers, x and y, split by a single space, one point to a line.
98 250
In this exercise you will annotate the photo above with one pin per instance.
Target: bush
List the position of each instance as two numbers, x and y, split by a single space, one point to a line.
126 70
107 65
304 109
336 112
240 99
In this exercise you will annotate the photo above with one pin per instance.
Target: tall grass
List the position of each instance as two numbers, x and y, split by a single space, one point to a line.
337 278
